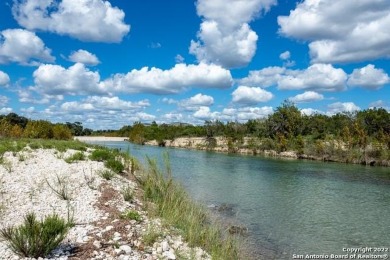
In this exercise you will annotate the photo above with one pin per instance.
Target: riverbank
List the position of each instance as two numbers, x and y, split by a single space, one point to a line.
100 138
325 151
108 210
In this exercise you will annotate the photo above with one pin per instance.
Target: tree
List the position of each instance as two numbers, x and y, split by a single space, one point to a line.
285 121
38 129
137 133
61 132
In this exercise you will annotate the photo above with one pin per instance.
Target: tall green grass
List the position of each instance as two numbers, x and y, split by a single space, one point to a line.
179 210
36 238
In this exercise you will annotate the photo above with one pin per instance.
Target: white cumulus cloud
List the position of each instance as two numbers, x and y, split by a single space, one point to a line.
285 55
250 95
264 78
4 78
86 20
317 77
307 96
368 77
23 47
340 31
248 113
179 78
340 107
320 77
193 103
3 101
85 57
204 113
225 36
75 80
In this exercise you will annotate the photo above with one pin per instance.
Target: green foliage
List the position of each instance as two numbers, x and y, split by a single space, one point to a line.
131 215
101 155
106 174
285 121
79 156
127 193
151 235
137 133
174 206
115 165
38 129
36 238
61 132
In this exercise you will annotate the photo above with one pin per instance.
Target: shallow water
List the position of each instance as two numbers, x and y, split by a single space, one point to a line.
289 206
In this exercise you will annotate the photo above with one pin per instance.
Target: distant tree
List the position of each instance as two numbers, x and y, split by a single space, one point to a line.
285 121
38 129
15 119
76 128
137 133
61 132
16 131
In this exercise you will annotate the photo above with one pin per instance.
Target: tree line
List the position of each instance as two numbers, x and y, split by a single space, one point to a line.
15 126
286 123
341 137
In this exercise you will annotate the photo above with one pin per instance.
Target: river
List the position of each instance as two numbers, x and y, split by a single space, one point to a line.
290 207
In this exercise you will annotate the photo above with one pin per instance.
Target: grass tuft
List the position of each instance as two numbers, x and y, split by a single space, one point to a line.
106 174
60 188
79 156
35 238
127 193
175 206
151 235
131 215
115 165
101 155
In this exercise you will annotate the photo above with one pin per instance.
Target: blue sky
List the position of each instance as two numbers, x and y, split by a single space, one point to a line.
111 63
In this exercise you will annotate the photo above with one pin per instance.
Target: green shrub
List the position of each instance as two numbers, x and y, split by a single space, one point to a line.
79 156
101 155
127 194
131 214
115 165
106 174
36 238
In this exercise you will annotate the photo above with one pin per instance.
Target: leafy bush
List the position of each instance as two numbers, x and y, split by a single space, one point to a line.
101 155
106 174
131 214
115 165
36 238
61 132
79 156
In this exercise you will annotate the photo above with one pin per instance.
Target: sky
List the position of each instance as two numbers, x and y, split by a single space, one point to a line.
112 63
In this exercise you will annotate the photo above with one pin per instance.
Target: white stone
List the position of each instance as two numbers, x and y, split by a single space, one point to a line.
165 246
97 244
126 249
108 228
170 255
118 251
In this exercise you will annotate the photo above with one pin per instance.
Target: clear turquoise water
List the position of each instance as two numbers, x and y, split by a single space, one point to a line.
289 206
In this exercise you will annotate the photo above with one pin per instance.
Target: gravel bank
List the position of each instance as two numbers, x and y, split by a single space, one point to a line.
96 204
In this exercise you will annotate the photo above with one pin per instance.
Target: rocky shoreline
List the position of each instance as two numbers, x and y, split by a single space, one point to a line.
221 145
97 205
